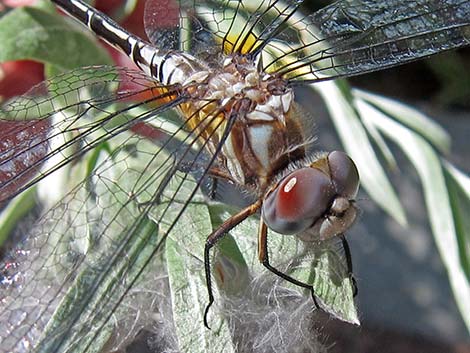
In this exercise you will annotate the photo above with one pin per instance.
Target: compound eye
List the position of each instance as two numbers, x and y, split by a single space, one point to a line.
344 174
298 201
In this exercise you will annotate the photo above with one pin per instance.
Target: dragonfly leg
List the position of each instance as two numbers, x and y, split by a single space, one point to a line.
212 239
347 252
264 259
214 173
217 174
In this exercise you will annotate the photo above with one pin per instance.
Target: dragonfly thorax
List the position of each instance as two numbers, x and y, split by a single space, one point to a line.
240 78
264 136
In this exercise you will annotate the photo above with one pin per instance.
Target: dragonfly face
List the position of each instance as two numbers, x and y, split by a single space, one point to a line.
223 100
317 200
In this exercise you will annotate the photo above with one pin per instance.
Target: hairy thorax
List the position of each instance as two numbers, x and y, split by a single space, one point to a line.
259 107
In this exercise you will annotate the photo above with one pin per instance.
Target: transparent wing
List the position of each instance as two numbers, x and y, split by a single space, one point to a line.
208 29
349 37
73 278
69 115
353 37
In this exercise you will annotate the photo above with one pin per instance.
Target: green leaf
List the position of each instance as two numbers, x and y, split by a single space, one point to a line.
381 145
459 193
184 254
32 33
15 211
94 329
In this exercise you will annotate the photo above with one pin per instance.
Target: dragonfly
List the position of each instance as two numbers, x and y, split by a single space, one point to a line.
215 93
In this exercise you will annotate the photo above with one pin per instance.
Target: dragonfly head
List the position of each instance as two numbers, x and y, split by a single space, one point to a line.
315 201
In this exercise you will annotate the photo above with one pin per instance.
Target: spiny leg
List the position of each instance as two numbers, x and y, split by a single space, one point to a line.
264 259
217 174
212 239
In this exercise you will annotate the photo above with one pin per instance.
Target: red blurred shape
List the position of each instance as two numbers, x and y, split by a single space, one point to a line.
147 131
18 3
162 14
108 6
134 22
17 77
23 146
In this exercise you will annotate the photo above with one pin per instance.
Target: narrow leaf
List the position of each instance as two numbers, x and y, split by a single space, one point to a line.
459 193
436 195
409 117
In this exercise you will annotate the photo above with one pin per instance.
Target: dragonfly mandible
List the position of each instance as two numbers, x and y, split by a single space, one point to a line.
225 92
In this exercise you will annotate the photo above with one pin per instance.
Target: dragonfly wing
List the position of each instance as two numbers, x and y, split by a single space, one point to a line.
347 38
352 37
62 119
162 23
77 271
207 29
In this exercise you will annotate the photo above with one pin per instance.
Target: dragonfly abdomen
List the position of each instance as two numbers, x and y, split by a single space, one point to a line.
170 67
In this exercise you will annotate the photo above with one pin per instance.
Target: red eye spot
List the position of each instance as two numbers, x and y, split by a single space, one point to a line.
298 201
288 198
305 193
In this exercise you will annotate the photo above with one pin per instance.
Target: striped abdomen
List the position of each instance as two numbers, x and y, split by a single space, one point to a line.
167 67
